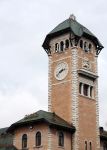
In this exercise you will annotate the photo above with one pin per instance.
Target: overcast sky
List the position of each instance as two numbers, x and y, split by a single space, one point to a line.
23 62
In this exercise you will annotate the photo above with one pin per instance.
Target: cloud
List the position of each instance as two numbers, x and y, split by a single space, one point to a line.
14 104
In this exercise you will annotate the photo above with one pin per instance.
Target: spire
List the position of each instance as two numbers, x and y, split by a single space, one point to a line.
72 17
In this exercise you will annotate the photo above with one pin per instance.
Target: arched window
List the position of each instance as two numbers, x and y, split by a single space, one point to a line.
61 46
85 145
90 46
56 47
61 139
67 44
81 43
24 141
90 146
38 138
71 43
86 48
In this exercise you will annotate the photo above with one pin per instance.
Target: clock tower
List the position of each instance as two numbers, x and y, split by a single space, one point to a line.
73 80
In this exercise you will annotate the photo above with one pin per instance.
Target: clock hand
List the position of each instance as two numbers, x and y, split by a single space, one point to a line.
60 71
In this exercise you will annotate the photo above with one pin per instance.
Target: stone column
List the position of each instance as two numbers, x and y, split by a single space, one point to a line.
49 83
74 98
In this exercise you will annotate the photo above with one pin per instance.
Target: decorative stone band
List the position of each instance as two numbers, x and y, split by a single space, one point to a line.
49 83
87 73
97 108
86 81
74 96
49 139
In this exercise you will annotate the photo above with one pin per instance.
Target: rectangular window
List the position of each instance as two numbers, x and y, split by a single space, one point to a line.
91 91
85 89
80 88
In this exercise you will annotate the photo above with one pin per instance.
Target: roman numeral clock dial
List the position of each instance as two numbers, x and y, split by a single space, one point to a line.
61 70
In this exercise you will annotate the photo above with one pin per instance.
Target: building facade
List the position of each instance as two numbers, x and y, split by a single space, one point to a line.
72 120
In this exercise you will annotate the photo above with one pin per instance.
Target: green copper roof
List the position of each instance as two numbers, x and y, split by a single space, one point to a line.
10 147
74 26
42 116
3 131
71 25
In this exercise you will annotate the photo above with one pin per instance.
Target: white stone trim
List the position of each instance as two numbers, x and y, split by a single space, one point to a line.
74 96
49 83
14 140
61 65
97 107
60 82
61 59
49 139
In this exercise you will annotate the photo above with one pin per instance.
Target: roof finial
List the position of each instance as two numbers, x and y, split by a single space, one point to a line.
72 17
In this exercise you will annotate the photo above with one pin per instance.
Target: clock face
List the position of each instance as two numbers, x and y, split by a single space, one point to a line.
61 71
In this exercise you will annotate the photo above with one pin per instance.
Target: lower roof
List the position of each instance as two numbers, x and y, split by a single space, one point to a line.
103 134
41 116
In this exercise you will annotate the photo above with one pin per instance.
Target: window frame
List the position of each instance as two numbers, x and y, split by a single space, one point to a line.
24 141
38 139
91 91
61 46
85 90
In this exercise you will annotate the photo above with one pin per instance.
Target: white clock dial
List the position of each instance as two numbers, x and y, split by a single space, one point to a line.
61 71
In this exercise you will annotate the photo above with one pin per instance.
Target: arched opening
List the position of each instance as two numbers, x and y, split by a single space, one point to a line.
90 46
38 138
56 47
81 43
85 145
24 141
67 43
90 146
61 46
86 48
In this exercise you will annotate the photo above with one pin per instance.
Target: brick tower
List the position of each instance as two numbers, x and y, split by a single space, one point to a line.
73 86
